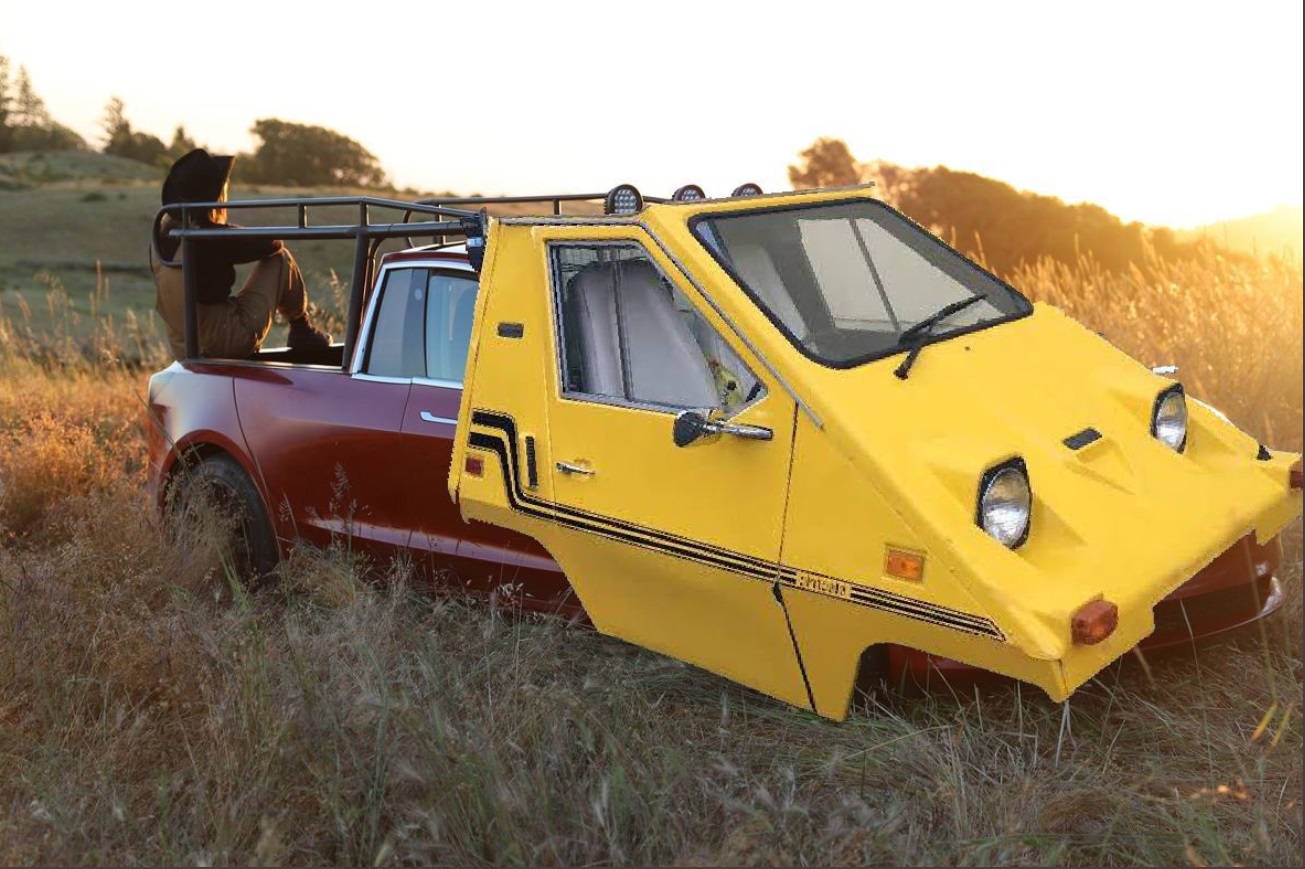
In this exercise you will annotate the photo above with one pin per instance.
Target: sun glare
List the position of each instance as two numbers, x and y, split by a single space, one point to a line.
1159 112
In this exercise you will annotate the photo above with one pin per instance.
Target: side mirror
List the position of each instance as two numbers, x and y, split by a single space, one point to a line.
690 425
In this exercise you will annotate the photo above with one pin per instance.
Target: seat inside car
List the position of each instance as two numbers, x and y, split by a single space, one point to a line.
623 312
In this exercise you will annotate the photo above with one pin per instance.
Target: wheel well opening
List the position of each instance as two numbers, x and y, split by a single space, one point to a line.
872 676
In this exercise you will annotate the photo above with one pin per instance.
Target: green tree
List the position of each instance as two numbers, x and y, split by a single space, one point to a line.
300 155
28 109
6 132
51 136
121 140
25 124
181 144
827 163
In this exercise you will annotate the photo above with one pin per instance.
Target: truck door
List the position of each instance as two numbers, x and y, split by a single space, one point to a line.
588 343
475 557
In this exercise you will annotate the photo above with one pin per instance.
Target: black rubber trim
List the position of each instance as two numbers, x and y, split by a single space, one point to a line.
503 445
1018 464
1155 409
870 357
1082 439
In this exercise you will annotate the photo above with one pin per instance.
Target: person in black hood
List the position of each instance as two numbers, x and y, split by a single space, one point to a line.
230 326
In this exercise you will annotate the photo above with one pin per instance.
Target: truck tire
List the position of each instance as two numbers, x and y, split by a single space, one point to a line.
215 493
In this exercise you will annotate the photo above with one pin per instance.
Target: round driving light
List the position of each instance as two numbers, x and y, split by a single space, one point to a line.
1005 500
1169 419
623 199
748 189
688 193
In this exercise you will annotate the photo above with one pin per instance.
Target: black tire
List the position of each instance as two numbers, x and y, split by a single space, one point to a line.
215 496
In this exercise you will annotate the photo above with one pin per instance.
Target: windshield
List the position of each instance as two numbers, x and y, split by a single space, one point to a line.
844 281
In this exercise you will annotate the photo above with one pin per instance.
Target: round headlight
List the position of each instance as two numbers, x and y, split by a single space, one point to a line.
1004 503
1169 420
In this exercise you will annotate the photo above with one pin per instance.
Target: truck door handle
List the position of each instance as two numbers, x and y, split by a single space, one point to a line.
427 416
570 468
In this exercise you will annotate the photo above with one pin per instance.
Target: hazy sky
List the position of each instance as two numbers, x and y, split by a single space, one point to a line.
1175 113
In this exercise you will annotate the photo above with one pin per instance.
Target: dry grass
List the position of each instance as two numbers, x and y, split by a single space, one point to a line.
152 713
1234 330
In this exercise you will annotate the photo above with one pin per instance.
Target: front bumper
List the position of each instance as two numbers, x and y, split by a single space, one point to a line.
1237 588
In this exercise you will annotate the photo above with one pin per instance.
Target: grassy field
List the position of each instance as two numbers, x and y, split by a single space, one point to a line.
150 713
74 251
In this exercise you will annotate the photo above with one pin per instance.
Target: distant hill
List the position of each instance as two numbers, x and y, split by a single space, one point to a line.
1268 232
23 170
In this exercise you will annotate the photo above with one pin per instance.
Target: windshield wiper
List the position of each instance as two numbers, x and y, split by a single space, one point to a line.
915 336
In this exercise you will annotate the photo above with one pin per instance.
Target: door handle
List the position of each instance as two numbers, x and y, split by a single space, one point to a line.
571 468
427 416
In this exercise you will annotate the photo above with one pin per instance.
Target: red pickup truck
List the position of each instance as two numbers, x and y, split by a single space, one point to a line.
355 442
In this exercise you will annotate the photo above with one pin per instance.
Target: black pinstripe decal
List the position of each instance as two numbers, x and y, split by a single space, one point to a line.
505 447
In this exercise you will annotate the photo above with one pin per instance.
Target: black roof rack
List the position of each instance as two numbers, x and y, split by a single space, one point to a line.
555 200
366 232
441 219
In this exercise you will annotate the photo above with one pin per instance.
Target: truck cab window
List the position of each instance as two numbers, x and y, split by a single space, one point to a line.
629 335
450 307
397 342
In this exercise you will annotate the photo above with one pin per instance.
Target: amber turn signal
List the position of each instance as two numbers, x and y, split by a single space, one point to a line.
904 564
1294 476
1094 622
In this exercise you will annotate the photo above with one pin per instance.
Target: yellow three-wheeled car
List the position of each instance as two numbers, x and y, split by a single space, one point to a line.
765 433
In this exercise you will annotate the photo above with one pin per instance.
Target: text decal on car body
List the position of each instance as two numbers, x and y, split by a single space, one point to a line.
503 443
823 585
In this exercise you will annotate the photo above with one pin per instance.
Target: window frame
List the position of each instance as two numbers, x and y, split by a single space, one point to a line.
462 274
557 286
854 362
362 353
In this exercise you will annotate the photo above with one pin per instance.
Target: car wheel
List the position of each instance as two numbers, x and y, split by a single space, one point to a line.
214 501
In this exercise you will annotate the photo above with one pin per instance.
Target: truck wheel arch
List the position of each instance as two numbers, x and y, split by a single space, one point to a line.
214 466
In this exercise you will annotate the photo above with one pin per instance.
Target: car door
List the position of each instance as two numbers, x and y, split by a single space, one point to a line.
589 343
475 557
328 443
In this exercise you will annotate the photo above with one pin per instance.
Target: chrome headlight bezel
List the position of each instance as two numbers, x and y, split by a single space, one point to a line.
991 476
1168 395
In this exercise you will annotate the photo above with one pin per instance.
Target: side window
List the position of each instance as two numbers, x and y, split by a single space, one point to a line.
450 306
397 347
628 334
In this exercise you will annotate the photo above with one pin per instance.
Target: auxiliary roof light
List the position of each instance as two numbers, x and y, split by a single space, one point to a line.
623 199
688 193
748 189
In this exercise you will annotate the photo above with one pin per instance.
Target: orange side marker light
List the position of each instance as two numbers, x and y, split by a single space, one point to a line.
904 564
1094 622
475 466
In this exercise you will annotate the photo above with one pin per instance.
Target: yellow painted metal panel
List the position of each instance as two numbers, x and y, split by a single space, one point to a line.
672 548
676 549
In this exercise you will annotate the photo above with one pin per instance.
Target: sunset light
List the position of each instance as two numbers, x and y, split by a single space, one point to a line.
1169 113
676 433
